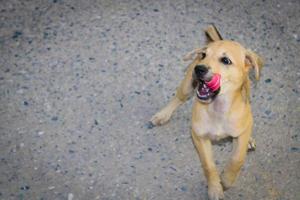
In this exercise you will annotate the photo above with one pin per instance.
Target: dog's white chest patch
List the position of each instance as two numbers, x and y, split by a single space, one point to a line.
214 128
213 122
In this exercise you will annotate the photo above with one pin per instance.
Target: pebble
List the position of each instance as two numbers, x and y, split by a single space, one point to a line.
41 133
17 34
267 112
268 80
183 188
51 187
26 187
70 196
149 125
295 149
55 118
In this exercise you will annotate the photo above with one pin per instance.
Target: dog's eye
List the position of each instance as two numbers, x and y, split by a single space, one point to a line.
203 55
226 61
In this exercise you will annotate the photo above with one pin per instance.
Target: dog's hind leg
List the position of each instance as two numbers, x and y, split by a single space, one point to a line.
251 144
184 91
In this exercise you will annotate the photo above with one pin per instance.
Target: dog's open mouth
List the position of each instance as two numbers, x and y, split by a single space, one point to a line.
204 93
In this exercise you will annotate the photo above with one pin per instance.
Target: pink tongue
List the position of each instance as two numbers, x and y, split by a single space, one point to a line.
214 83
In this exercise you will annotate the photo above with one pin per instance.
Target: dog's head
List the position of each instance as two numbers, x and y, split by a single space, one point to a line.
230 60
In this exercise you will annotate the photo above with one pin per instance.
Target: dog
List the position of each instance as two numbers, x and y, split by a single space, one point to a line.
219 113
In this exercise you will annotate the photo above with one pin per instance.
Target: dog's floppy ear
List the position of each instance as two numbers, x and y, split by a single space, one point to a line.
255 62
212 34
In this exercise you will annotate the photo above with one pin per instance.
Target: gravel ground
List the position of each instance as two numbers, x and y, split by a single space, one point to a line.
79 81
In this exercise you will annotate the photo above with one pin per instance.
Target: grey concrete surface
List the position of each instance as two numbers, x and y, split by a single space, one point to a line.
80 79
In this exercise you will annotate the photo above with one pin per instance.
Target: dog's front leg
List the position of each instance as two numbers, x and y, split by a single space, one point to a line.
232 169
165 114
184 91
204 149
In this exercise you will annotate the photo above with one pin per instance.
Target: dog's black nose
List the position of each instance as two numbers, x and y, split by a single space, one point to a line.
201 70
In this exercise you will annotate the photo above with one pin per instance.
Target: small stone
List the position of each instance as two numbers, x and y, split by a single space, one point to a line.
40 133
268 80
26 187
51 187
269 98
25 103
295 91
295 36
17 34
173 168
71 151
149 125
70 196
183 188
55 118
267 112
295 149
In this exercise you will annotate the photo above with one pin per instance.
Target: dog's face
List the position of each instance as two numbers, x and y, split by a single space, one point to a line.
227 58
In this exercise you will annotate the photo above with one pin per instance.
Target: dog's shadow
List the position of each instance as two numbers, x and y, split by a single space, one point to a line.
223 142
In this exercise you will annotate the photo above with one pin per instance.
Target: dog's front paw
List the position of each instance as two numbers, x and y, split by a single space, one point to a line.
161 117
227 180
215 191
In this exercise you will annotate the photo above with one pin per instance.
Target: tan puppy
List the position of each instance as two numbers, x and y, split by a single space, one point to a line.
218 114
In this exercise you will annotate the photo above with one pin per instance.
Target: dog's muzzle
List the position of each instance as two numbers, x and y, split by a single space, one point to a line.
208 83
